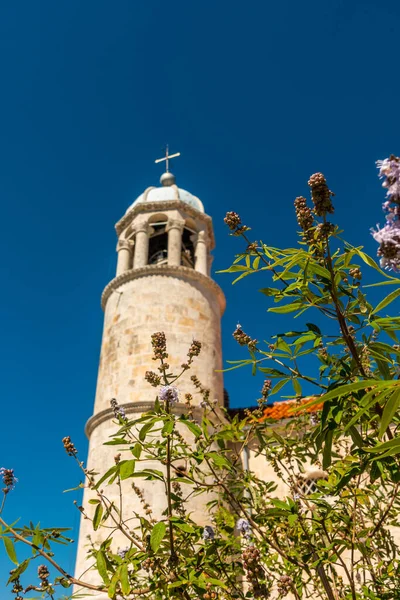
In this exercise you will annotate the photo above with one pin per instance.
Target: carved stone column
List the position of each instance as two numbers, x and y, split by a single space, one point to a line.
175 228
141 255
201 253
124 249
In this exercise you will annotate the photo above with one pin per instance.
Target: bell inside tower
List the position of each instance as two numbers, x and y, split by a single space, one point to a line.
158 244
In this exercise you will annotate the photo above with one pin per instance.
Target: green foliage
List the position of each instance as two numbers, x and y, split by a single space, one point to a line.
317 517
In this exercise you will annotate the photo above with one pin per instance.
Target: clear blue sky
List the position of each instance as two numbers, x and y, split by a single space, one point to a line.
255 95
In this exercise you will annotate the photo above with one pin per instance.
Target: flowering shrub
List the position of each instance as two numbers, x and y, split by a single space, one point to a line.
332 537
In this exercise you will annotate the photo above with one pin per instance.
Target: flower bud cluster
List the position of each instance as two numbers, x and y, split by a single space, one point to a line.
205 392
285 584
323 230
188 402
209 595
152 378
320 195
148 564
252 247
69 446
304 216
233 220
266 388
355 273
17 587
243 339
254 571
159 344
194 350
143 501
43 574
179 505
9 479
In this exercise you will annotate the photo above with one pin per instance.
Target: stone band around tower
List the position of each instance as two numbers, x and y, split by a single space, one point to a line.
166 270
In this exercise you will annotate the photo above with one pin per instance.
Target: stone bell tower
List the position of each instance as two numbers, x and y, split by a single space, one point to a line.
162 283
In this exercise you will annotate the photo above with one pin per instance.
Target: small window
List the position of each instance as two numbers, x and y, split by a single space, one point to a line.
307 483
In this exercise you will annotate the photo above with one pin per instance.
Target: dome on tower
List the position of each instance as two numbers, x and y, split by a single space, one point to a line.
168 191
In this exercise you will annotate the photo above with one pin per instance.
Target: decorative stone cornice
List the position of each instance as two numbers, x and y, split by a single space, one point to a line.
164 271
137 407
160 206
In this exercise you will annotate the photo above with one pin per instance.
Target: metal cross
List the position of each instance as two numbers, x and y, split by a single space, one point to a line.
167 158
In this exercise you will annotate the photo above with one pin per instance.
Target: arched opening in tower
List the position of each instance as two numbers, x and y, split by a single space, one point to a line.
158 244
187 259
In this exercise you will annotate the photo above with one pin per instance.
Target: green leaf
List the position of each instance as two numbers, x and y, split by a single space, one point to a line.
280 504
106 476
145 430
391 407
179 583
127 467
271 291
185 527
389 298
218 459
272 372
137 450
314 328
98 513
343 390
157 535
9 546
282 345
19 570
113 585
327 453
125 586
168 428
195 429
279 386
371 398
234 269
296 386
371 263
286 308
393 444
102 566
149 474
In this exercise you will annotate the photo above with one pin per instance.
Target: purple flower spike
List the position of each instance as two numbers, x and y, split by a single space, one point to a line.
244 527
168 393
208 533
388 236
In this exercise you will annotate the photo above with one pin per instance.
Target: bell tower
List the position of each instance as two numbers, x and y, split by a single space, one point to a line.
162 283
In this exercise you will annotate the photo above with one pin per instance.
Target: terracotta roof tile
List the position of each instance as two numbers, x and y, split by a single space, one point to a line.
290 408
